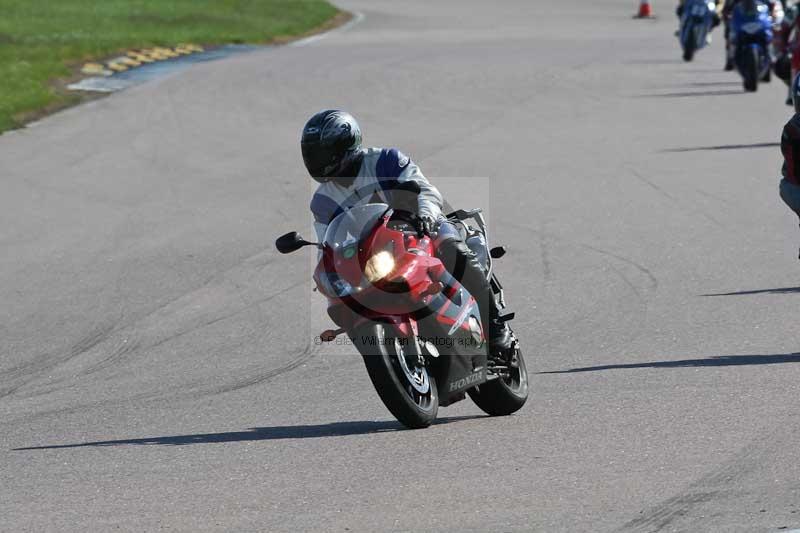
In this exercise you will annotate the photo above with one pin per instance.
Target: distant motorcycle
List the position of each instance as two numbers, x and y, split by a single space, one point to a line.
751 36
697 20
417 328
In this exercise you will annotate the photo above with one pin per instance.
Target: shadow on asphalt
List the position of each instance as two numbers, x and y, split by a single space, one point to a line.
723 360
721 147
781 290
717 92
334 429
698 70
714 83
675 61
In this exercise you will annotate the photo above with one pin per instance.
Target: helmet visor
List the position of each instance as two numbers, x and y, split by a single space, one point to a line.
320 161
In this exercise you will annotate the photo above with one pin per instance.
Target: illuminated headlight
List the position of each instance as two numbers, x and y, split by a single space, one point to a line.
379 266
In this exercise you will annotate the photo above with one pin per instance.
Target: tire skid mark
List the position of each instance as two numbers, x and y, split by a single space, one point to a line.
134 342
716 483
719 199
627 282
651 278
639 318
25 373
115 402
257 378
85 343
188 390
652 185
126 347
121 341
675 200
669 511
46 362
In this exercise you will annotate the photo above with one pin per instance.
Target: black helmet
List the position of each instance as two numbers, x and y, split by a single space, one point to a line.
331 145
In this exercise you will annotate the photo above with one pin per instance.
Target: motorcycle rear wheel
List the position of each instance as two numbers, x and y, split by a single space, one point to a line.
503 395
405 387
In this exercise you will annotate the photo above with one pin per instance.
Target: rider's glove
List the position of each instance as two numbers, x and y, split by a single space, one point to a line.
426 225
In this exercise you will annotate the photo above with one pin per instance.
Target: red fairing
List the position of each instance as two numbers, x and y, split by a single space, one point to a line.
415 271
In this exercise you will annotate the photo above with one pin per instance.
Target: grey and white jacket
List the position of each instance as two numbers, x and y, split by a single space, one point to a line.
382 174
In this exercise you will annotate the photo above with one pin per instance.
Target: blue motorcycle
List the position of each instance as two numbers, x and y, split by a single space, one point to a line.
697 19
751 35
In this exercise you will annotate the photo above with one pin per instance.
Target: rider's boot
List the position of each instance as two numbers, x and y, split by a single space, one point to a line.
728 50
728 63
501 338
462 263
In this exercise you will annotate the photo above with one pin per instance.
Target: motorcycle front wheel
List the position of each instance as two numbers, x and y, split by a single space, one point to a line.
404 385
750 69
689 46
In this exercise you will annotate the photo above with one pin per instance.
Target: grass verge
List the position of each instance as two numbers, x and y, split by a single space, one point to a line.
42 41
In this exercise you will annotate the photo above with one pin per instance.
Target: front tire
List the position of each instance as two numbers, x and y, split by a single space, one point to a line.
506 394
750 69
405 387
689 47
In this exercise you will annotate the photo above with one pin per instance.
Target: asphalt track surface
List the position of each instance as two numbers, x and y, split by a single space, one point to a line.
157 370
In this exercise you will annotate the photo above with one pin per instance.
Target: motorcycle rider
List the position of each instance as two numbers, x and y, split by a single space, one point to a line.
717 16
774 8
349 175
790 147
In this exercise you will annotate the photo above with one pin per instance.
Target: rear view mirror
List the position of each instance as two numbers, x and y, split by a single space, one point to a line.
291 242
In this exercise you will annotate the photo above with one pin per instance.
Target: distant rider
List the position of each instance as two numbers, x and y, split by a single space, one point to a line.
774 8
716 17
351 175
717 11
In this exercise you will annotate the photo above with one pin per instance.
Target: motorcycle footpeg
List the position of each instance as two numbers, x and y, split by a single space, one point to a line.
506 318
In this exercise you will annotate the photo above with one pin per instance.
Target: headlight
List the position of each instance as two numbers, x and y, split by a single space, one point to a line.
379 266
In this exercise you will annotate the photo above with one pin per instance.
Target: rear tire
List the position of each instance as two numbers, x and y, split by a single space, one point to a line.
503 396
407 390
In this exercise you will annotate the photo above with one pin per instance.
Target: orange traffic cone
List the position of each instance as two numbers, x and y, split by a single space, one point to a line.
644 10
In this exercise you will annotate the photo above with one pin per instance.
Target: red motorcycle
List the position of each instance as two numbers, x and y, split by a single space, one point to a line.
417 328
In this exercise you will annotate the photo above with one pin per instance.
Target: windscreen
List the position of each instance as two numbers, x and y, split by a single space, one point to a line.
353 225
